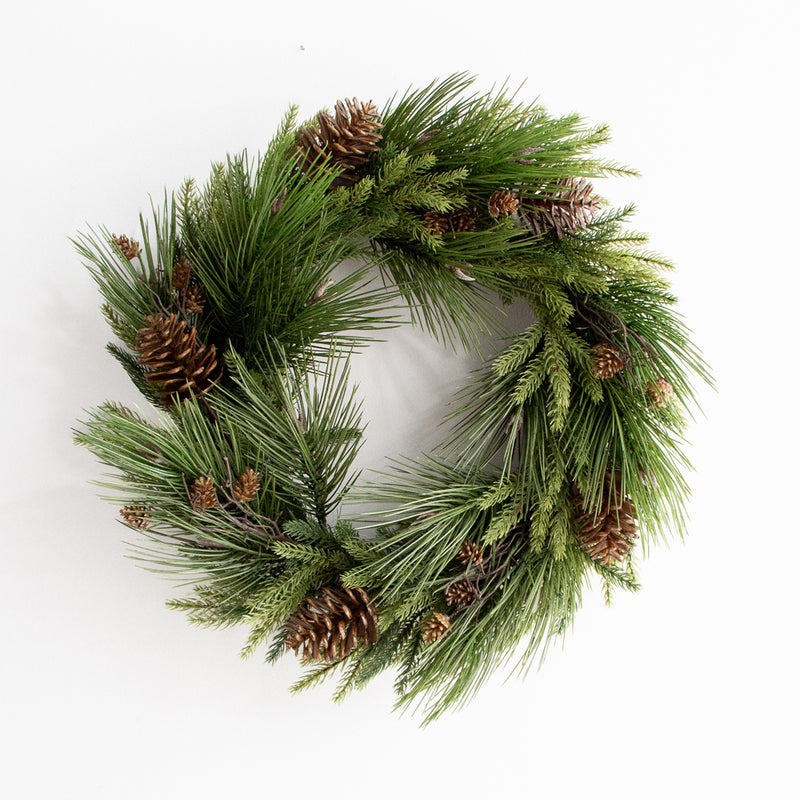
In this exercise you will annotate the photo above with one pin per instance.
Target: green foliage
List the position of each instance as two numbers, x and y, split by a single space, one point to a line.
534 430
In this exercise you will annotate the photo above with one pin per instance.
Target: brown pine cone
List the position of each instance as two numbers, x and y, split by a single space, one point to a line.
503 202
435 223
247 484
461 593
348 139
181 273
277 204
129 247
435 627
136 516
177 363
610 532
607 360
203 495
194 297
570 208
328 626
528 151
461 220
470 553
661 393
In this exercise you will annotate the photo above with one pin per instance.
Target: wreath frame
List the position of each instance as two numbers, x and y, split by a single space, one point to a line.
566 447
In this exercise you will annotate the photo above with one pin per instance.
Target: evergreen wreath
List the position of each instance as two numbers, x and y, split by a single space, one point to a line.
565 455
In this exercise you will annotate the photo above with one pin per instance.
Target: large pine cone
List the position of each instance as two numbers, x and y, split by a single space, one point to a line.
177 363
328 626
347 138
567 210
609 533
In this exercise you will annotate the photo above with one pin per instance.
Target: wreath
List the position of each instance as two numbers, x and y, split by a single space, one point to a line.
565 453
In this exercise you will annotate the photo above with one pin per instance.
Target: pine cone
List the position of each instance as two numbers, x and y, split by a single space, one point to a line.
348 139
503 202
607 360
461 593
460 273
610 532
461 220
136 516
435 223
203 495
328 626
528 151
129 247
661 393
194 297
470 553
277 204
456 221
567 210
181 274
178 364
247 484
428 135
435 627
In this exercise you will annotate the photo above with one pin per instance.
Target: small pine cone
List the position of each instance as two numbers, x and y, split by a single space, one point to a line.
567 210
461 593
277 204
607 360
435 223
328 626
247 484
194 298
461 220
503 202
129 247
348 139
321 291
177 363
661 393
528 151
181 274
429 134
136 516
470 553
203 495
435 627
460 273
610 532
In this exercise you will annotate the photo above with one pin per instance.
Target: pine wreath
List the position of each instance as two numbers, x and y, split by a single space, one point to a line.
565 458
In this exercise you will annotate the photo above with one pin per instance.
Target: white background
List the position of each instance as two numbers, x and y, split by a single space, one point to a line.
687 689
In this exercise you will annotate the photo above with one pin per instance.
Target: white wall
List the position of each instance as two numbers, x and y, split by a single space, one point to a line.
688 688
